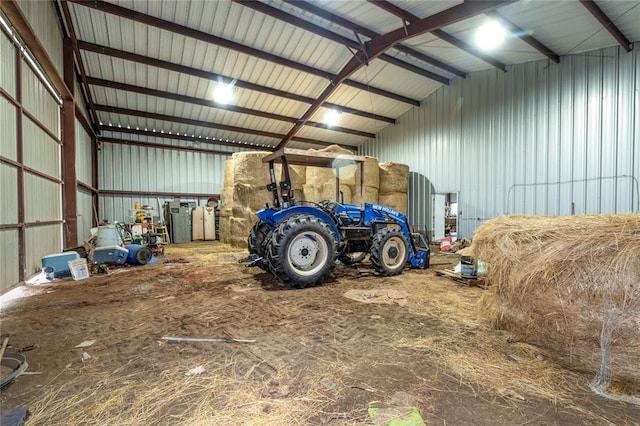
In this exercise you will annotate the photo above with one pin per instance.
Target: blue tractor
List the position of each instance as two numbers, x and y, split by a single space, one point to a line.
301 241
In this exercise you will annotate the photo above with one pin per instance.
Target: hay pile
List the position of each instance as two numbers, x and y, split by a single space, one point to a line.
371 182
570 285
321 181
394 186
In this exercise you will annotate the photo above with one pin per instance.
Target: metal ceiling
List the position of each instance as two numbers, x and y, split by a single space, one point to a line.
151 66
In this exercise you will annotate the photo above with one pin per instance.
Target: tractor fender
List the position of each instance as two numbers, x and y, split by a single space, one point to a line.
275 217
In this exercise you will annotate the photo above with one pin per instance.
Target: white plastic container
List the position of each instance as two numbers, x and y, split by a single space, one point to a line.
79 269
108 235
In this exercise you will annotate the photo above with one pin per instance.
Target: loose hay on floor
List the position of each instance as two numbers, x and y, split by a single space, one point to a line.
572 286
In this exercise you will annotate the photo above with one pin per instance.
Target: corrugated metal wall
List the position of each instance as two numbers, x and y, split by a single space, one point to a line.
84 173
29 155
543 138
148 170
43 20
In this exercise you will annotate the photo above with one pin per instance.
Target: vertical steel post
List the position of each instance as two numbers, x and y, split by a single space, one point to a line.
70 186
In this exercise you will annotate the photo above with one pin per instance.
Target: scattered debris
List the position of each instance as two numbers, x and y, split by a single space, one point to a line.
195 371
85 344
16 363
85 356
459 279
208 340
16 416
509 393
460 245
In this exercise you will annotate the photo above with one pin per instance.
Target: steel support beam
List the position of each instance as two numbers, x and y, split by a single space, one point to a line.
376 46
133 57
330 35
174 119
411 18
69 183
356 28
83 75
160 146
211 104
212 39
607 23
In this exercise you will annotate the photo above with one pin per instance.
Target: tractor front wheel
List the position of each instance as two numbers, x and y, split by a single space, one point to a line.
389 251
302 251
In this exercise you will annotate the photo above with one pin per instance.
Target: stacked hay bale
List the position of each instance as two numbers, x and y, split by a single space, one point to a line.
570 286
244 193
394 186
321 181
371 182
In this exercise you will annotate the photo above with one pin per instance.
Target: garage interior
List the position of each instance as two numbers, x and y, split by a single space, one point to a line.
510 125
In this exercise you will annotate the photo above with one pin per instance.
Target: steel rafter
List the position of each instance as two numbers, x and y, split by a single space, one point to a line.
411 18
211 104
330 35
607 23
378 45
207 124
232 45
170 66
357 28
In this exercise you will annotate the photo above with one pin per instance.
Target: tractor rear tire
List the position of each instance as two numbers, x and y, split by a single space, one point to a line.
302 251
389 252
256 242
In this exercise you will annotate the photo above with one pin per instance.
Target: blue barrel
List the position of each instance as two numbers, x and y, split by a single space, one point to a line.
138 255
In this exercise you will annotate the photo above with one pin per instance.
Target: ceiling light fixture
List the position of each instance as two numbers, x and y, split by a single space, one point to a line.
223 93
490 35
332 117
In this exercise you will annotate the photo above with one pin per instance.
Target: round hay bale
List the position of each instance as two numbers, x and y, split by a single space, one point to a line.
570 286
371 173
226 201
249 169
397 201
228 173
370 195
394 177
298 176
251 196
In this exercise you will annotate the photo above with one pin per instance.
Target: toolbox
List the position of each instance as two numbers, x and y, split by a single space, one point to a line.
110 254
57 266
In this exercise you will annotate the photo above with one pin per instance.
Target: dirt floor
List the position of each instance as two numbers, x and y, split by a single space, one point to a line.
324 355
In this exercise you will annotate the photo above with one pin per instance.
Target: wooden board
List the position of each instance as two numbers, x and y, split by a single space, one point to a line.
459 279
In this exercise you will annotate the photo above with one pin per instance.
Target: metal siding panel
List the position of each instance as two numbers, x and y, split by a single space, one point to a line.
83 154
41 241
8 133
84 201
9 194
9 262
38 101
42 199
7 65
43 19
527 139
40 151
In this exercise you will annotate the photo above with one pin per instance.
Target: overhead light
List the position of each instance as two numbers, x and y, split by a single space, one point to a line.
223 93
490 35
332 117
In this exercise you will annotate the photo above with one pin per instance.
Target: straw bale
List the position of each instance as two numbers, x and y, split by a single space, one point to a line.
371 173
226 201
298 176
251 196
249 169
225 229
322 175
328 192
370 195
311 192
228 173
397 201
569 285
394 177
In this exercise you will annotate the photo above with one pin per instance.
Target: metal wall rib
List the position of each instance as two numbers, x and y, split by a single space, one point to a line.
543 138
